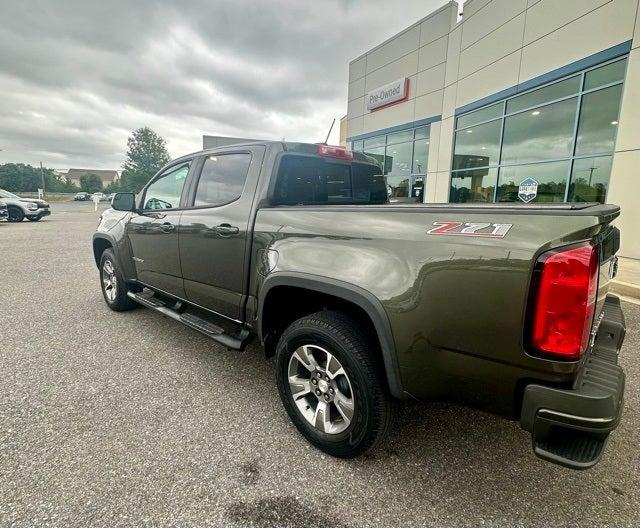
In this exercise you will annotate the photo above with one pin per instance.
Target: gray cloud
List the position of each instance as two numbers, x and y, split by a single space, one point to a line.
77 76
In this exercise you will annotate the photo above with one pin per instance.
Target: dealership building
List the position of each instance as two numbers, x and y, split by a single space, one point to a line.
516 101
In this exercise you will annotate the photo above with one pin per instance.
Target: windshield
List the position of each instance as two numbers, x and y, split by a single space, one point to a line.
7 194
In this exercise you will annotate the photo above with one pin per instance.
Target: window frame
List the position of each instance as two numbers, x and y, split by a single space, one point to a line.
504 115
165 171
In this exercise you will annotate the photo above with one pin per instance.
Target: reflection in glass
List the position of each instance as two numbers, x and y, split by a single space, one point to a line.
605 75
420 156
543 133
374 142
599 121
551 178
476 185
399 137
422 132
590 179
376 153
479 116
477 146
548 93
398 163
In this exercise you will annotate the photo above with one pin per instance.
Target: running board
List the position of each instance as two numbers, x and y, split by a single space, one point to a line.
203 326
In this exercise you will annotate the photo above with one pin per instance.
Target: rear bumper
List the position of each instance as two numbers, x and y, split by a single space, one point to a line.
571 426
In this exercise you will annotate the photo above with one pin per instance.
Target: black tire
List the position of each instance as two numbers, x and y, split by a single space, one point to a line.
34 218
118 302
342 336
15 214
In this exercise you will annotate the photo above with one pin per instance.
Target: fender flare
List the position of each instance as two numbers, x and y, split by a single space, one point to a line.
348 292
108 238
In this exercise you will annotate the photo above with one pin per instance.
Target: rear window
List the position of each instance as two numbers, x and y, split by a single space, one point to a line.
315 180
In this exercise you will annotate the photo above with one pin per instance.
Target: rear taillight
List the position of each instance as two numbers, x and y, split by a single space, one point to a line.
565 300
329 151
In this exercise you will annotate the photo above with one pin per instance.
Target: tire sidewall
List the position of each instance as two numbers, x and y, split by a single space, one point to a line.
121 300
15 214
309 334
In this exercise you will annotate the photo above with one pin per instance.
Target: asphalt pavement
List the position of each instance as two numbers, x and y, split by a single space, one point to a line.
130 419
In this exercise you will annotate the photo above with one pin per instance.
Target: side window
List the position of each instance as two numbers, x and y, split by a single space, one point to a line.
222 179
164 193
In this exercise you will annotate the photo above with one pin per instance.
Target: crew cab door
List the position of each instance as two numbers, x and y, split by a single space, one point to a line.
153 232
215 232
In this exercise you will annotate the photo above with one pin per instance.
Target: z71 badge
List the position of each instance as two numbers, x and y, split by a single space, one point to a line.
470 229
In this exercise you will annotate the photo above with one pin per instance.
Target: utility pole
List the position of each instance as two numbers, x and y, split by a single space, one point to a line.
42 176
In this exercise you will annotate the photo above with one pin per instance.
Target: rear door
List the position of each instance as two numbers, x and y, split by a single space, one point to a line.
153 232
214 230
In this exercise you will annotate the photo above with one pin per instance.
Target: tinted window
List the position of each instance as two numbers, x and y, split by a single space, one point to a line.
476 185
543 133
599 120
548 93
590 179
477 146
222 179
312 180
551 178
607 74
165 192
484 114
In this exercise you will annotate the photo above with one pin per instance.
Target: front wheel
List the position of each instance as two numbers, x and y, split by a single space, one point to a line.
114 287
16 214
331 384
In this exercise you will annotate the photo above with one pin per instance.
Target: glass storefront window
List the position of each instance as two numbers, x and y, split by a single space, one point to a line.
422 133
599 121
476 185
420 156
543 133
551 178
479 116
357 146
377 153
376 141
399 169
590 179
399 137
477 146
552 92
605 75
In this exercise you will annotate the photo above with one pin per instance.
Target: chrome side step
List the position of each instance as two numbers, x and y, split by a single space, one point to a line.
211 330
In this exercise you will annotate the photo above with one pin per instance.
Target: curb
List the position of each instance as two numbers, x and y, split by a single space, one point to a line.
627 289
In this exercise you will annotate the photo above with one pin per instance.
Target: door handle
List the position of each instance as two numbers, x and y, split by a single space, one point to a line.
167 227
226 230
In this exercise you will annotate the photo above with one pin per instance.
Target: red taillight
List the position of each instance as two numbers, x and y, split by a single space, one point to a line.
330 151
565 301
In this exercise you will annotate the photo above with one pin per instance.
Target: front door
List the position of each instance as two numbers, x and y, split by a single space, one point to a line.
215 231
153 232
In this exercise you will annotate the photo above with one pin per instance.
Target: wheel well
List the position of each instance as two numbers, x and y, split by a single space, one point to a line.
285 304
99 246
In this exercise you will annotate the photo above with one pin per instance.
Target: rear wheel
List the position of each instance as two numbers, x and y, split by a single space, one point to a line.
114 287
331 384
15 214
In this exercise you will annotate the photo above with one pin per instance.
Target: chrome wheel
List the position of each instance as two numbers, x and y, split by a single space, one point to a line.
109 281
321 389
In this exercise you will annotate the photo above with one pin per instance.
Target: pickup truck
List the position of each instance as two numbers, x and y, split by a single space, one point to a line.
363 302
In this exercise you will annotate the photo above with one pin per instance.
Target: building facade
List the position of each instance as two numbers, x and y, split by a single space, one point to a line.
520 100
107 177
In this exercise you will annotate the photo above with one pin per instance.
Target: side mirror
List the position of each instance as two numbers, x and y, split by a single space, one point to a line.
124 201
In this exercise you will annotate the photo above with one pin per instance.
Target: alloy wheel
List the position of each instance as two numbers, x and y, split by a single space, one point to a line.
109 280
321 389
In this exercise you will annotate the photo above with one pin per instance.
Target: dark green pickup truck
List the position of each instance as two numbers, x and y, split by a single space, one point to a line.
364 302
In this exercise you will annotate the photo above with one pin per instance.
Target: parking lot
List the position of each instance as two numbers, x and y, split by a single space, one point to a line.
114 419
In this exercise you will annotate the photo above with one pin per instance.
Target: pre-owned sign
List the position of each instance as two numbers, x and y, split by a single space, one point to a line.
394 92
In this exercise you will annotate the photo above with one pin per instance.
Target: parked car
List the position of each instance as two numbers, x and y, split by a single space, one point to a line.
82 197
4 212
20 208
501 306
100 196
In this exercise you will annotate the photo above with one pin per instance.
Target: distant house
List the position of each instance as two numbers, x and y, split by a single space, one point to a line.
107 176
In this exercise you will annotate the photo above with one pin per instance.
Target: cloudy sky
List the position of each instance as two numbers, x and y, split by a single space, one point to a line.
76 76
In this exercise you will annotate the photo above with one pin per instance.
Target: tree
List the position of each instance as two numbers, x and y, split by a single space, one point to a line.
146 155
90 183
18 177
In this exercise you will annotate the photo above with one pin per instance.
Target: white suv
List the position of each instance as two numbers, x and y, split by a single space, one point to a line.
21 208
